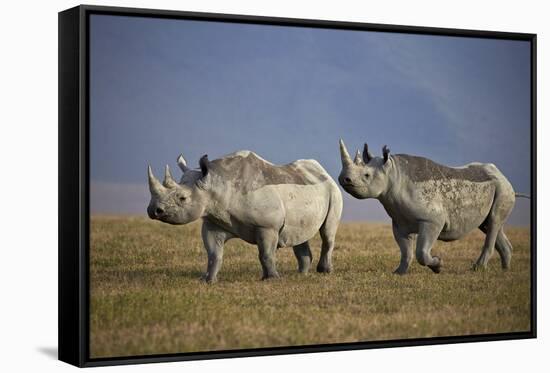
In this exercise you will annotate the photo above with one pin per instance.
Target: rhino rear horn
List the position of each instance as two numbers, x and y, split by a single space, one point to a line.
386 153
169 181
203 163
358 160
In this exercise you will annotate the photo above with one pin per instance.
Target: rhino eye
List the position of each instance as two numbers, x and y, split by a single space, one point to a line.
182 199
367 176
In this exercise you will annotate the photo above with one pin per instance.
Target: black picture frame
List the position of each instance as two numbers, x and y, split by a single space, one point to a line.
73 254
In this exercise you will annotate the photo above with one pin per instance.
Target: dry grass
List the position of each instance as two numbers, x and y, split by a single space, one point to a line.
146 297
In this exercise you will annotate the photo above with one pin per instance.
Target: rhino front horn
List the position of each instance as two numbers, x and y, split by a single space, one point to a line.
346 159
155 187
169 181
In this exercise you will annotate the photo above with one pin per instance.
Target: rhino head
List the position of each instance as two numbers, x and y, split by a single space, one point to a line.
366 176
179 203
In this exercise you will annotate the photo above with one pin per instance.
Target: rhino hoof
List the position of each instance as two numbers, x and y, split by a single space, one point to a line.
400 272
322 269
436 268
209 280
273 276
478 267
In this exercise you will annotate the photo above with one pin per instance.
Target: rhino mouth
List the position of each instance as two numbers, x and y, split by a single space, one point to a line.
348 186
354 190
170 221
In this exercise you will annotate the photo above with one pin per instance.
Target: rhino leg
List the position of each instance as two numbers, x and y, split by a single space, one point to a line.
267 244
303 255
405 245
500 210
503 247
214 239
328 235
427 235
488 246
328 232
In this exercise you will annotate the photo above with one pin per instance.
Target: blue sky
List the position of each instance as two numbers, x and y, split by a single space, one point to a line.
161 87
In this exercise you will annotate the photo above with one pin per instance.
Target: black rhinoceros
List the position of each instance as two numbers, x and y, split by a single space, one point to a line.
242 195
433 201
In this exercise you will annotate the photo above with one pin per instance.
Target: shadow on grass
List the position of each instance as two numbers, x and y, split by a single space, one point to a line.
175 275
246 273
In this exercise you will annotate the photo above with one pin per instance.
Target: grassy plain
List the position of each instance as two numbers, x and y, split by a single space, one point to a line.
146 297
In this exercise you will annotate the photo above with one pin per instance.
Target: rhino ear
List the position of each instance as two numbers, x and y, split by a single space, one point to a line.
367 156
204 163
386 153
182 163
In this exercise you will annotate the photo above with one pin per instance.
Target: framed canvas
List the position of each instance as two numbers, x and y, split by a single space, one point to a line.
265 233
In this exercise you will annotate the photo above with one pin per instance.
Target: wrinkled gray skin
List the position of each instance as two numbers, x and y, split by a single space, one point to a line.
242 195
433 202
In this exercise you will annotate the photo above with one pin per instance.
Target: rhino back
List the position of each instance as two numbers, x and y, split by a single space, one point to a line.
247 172
420 169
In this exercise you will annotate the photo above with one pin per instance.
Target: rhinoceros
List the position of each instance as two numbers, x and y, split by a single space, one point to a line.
433 202
244 196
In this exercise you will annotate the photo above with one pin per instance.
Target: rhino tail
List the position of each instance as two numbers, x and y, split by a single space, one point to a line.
523 195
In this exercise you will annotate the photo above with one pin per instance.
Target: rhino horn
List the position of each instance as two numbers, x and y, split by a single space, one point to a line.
358 158
155 187
169 181
182 163
386 153
367 156
346 159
